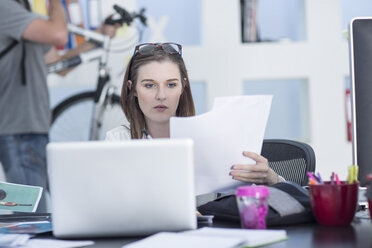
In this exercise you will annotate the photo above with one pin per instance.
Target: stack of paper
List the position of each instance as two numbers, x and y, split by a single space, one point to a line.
212 237
31 227
251 237
181 240
26 241
56 243
13 240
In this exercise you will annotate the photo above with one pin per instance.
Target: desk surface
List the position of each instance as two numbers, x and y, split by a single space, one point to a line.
358 234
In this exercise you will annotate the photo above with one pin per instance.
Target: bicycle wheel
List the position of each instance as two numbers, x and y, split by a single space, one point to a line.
72 118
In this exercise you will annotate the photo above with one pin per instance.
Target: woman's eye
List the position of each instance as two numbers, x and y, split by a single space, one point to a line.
172 85
149 85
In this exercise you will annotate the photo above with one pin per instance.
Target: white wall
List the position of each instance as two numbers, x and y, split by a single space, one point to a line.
223 62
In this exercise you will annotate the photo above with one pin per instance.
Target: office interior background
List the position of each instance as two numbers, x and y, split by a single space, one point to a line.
301 58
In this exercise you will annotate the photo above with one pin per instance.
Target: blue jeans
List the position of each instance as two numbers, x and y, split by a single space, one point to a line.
23 157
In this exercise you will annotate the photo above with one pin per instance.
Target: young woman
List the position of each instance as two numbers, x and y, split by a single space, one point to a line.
156 86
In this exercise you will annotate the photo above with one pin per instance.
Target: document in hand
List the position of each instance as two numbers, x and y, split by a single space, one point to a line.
234 125
251 237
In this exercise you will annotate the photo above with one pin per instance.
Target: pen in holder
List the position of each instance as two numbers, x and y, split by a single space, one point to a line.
334 204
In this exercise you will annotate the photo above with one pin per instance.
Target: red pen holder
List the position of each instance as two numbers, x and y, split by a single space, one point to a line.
334 204
370 207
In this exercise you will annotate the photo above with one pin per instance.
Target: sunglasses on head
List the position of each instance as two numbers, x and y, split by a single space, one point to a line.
147 49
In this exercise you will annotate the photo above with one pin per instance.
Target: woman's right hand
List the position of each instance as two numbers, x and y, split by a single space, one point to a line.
259 173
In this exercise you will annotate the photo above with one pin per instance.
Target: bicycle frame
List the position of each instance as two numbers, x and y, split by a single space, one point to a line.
104 95
100 53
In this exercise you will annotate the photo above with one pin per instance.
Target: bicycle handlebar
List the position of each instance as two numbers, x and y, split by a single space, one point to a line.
101 39
61 65
75 60
86 33
126 17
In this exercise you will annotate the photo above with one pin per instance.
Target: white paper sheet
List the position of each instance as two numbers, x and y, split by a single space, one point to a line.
26 241
234 125
13 240
211 237
55 243
180 240
252 238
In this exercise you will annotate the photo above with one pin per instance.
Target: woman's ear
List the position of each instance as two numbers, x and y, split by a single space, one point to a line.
129 84
184 84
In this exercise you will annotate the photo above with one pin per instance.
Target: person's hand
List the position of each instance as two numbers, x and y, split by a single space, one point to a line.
259 173
109 30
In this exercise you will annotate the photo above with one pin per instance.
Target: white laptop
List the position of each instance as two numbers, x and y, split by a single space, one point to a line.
136 187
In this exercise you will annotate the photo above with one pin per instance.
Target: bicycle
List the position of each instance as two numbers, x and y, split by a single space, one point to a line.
100 109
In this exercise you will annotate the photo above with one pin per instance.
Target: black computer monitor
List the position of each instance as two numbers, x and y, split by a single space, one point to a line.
360 43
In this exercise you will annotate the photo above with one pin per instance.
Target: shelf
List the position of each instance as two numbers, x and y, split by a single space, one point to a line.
275 20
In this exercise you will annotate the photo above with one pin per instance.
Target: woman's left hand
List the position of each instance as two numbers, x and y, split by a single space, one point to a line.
260 172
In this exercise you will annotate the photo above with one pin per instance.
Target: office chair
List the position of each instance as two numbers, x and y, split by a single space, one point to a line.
290 159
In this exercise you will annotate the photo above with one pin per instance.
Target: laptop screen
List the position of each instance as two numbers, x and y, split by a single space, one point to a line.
134 187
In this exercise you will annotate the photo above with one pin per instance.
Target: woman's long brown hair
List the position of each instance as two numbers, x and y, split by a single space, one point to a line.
129 101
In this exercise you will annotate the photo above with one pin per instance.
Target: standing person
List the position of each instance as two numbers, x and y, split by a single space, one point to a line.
24 99
27 43
156 86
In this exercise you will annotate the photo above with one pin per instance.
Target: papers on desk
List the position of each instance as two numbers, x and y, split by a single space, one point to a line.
234 125
25 241
55 243
181 240
250 237
13 240
19 197
33 227
212 237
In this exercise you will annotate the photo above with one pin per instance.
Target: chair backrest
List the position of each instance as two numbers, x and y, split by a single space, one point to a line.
290 159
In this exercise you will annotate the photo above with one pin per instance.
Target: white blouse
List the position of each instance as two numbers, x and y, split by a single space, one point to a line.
121 133
118 134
